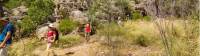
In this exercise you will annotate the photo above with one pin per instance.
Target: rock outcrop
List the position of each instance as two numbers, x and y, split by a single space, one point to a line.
78 16
158 8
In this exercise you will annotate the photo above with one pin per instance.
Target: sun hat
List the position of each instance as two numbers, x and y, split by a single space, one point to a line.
51 25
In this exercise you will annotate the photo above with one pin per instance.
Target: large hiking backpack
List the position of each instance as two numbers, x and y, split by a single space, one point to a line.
57 34
14 36
14 30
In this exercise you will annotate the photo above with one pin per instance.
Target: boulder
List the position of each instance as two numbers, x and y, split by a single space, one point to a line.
19 11
79 16
41 32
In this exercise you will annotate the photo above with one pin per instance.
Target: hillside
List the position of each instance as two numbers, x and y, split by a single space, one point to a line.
118 27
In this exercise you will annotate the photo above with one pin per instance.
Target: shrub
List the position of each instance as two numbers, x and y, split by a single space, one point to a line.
148 18
26 27
136 15
112 34
12 3
142 41
107 30
141 33
130 33
67 25
37 14
68 41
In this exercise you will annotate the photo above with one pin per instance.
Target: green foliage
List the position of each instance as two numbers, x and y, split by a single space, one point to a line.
116 30
67 25
195 16
130 33
68 41
136 15
148 18
142 40
112 33
37 14
26 26
40 9
13 3
141 33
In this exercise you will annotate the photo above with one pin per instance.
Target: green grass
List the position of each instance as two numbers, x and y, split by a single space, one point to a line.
68 41
67 25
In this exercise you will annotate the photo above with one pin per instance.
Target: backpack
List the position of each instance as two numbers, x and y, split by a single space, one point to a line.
57 34
13 30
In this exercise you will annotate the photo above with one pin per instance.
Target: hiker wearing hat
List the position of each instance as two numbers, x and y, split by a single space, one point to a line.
51 34
6 35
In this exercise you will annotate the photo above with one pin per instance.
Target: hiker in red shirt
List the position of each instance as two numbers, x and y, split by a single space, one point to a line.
87 31
50 37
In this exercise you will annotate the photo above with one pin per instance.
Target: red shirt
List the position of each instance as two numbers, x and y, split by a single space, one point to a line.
87 28
50 35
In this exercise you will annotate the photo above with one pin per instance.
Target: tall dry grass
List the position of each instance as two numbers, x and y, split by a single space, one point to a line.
24 47
179 37
171 37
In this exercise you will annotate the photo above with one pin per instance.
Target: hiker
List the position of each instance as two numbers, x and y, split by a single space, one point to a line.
51 36
87 31
6 35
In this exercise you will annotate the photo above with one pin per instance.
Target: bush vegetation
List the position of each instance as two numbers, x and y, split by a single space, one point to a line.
67 25
37 14
12 3
68 41
38 11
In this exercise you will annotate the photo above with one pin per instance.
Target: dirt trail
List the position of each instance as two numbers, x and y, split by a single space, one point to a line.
95 49
85 49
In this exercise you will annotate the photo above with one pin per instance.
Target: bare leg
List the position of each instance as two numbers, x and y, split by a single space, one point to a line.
87 36
48 46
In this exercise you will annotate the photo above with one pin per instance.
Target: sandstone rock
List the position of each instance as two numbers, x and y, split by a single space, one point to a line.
79 16
40 32
19 11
